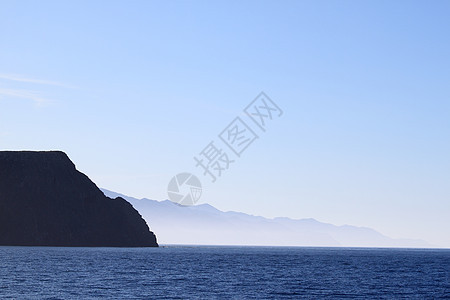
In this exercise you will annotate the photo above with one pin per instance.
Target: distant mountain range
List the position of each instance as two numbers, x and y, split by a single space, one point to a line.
205 225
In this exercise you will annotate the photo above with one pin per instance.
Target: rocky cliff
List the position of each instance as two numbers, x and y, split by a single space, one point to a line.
45 201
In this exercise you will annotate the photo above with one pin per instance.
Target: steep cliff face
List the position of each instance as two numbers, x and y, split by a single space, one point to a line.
45 201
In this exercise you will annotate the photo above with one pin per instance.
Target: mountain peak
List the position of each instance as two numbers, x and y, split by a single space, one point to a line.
45 201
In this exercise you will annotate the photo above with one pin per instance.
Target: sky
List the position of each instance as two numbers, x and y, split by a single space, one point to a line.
132 91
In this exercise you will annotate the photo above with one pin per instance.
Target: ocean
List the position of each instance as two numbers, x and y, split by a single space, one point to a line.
216 272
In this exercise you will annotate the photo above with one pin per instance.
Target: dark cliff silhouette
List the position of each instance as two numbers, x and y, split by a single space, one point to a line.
45 201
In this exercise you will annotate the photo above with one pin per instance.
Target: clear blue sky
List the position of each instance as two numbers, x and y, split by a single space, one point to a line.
132 90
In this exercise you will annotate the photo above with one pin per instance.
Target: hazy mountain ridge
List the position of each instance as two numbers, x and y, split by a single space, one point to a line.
204 224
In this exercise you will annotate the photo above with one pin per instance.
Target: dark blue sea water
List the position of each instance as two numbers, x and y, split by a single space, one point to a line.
181 272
